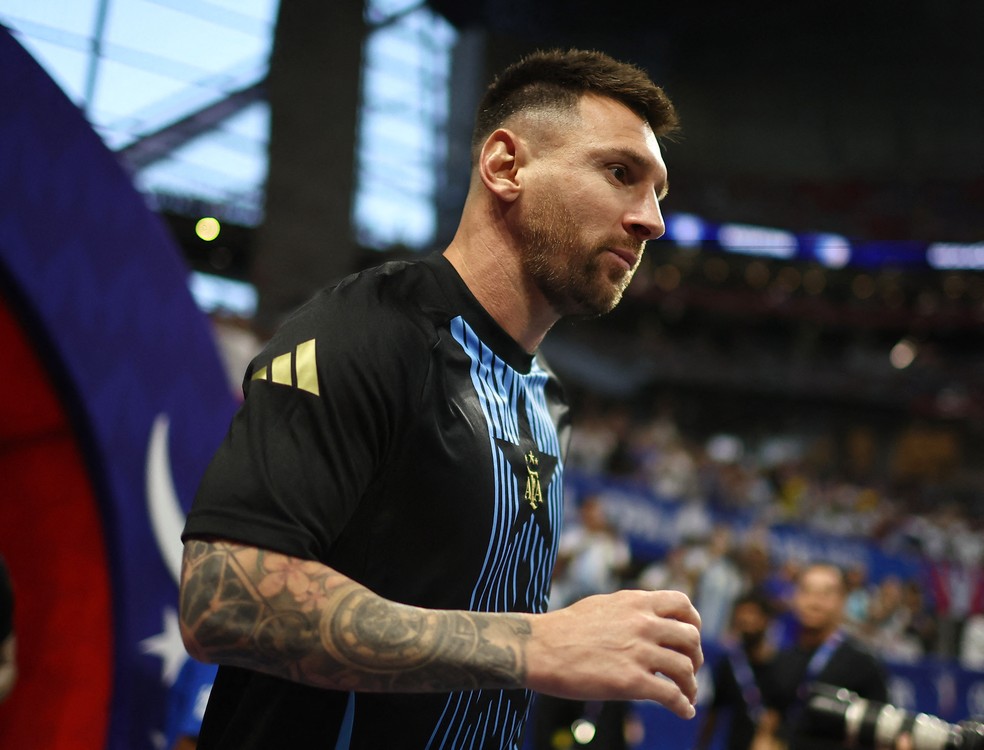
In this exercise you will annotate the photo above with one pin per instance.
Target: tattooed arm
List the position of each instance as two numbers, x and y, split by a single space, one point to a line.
304 621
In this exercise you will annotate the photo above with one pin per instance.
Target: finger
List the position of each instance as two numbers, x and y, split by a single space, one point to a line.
681 637
675 605
678 669
665 692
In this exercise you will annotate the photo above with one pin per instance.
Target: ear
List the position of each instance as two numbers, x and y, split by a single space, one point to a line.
499 164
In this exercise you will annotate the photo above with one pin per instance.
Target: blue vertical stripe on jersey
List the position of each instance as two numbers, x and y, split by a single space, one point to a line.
467 720
497 386
344 740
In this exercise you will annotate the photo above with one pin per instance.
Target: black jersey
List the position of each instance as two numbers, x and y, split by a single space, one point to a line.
393 431
850 666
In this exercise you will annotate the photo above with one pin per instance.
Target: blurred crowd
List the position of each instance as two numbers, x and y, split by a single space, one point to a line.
935 612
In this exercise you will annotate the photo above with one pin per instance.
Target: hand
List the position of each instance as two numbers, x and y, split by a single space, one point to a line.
630 645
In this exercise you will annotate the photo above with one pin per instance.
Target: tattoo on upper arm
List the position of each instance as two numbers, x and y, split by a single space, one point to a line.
303 621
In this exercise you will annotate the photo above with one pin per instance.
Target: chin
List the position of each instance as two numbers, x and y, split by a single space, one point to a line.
816 626
595 307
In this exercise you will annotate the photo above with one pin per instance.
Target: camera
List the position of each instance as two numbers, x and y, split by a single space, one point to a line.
838 713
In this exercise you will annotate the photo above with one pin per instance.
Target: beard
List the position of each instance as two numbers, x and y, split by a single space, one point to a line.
574 276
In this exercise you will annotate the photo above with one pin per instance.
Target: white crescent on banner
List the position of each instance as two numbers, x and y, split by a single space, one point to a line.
166 516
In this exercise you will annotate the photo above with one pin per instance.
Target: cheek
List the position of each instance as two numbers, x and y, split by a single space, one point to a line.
594 206
605 214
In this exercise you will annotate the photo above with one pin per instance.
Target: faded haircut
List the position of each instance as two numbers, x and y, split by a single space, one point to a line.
557 79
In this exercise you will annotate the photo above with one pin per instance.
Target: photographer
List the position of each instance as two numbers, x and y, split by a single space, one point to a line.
823 652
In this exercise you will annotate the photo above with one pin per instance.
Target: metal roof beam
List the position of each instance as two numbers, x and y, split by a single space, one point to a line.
158 145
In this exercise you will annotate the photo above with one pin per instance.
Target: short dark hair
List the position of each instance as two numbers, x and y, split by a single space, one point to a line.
757 598
824 565
559 78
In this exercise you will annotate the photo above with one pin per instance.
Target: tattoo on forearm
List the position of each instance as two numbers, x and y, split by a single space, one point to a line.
303 621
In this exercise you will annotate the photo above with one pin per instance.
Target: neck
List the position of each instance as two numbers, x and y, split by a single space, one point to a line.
756 647
814 637
491 268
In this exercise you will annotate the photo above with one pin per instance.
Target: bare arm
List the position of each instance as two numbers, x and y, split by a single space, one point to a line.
306 622
303 621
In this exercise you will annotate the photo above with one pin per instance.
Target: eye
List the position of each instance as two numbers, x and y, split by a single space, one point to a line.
620 173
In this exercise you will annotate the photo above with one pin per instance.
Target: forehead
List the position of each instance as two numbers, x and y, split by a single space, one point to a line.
608 123
819 578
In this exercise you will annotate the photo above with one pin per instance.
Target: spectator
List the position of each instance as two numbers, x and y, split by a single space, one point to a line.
823 653
922 625
972 643
591 558
858 599
888 623
718 585
743 675
670 573
591 444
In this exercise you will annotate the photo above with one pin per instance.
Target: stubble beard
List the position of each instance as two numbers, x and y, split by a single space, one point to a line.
570 274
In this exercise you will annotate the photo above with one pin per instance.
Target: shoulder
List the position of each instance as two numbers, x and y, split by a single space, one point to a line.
391 293
858 665
854 650
372 316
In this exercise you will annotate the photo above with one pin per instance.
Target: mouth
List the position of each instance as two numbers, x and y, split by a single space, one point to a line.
628 257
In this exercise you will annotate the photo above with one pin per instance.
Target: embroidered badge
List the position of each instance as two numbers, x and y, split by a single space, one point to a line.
534 493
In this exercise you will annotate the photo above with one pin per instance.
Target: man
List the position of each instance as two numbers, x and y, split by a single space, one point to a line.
823 653
369 554
742 677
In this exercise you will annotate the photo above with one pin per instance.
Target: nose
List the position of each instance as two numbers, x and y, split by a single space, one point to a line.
645 220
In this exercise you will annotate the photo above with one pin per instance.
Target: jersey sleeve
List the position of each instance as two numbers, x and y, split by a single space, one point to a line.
323 403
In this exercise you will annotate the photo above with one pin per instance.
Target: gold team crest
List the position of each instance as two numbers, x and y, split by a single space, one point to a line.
534 493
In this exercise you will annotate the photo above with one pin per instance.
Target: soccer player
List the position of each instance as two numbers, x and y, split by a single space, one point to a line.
369 554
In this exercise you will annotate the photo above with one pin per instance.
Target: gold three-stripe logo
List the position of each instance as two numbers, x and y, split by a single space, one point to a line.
298 369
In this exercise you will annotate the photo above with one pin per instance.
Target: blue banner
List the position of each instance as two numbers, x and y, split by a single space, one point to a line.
652 525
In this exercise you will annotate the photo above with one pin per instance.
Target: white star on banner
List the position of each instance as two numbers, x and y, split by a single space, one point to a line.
168 646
